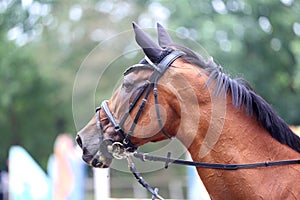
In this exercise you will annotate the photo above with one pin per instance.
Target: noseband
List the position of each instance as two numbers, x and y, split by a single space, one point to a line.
159 70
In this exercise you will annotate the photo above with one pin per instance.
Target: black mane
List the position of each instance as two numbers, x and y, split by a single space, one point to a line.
243 94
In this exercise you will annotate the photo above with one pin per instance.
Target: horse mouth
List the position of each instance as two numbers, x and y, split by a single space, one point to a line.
92 155
98 160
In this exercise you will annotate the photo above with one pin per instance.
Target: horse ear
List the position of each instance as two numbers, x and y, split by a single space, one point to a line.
152 50
164 38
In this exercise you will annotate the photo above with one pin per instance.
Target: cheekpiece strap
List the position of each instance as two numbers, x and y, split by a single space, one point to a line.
111 118
130 147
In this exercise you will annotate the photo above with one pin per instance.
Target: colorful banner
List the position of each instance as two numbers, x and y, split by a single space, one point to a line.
66 179
66 170
27 180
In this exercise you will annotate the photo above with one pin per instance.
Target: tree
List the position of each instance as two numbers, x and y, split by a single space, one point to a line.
30 113
250 39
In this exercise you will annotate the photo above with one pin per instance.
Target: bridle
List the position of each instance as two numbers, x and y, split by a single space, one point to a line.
126 148
168 57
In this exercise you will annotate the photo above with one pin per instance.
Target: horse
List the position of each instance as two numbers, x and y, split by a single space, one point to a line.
174 93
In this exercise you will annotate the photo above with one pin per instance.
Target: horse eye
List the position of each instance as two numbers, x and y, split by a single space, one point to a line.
127 86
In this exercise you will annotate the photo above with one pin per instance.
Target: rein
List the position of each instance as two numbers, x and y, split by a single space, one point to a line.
146 157
120 153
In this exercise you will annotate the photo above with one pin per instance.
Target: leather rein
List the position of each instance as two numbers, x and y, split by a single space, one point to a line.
126 149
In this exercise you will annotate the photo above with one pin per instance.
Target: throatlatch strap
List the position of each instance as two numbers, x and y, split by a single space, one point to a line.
158 112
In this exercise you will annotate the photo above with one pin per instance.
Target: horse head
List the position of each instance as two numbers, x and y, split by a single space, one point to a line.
133 116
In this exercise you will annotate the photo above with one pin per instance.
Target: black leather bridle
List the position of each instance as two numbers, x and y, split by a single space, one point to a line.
151 83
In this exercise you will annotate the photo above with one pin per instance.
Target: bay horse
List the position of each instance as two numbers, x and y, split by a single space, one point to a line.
175 93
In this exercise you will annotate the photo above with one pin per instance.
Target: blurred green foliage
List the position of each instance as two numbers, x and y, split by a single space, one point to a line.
43 44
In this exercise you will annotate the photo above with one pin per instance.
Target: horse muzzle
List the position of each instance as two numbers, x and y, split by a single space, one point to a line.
96 155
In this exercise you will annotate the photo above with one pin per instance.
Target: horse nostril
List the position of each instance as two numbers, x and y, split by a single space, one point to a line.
79 141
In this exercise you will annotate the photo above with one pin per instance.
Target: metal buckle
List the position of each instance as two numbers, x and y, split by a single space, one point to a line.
117 150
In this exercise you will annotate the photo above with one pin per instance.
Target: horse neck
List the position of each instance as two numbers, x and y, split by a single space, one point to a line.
235 137
224 132
242 140
215 131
